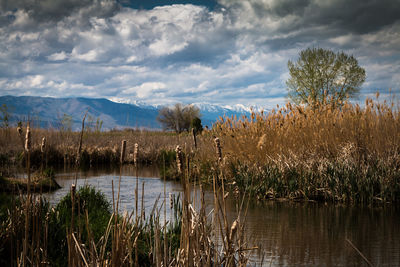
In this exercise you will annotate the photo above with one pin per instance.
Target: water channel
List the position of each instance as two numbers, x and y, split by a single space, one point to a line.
290 234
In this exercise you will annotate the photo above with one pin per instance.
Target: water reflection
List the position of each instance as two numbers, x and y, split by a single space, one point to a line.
106 179
312 234
290 234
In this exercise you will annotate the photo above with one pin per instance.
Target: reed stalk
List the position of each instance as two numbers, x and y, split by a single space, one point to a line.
123 149
28 144
145 238
194 138
79 151
42 150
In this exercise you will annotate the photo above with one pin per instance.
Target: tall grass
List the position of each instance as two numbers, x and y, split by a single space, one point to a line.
83 230
350 153
98 148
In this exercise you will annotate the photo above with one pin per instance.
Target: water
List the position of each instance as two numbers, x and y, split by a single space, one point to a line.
312 234
290 234
104 180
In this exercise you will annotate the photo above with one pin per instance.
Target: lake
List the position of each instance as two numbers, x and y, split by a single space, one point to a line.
289 233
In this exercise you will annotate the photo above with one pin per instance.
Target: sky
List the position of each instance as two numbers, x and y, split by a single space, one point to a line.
223 52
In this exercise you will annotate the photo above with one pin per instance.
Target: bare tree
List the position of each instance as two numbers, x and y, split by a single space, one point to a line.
178 117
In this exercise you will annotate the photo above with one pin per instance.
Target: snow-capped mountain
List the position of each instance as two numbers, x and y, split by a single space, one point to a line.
48 112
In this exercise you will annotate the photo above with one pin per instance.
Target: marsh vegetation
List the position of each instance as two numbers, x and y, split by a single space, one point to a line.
347 154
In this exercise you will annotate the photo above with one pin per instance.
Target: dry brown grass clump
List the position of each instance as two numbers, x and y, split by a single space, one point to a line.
98 148
310 149
302 133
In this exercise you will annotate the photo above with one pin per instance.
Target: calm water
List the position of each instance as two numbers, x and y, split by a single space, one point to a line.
290 234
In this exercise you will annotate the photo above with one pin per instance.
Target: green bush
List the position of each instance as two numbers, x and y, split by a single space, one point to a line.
99 213
57 221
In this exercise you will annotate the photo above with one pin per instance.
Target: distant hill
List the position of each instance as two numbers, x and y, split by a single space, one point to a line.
48 112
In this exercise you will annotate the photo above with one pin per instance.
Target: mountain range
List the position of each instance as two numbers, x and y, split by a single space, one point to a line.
49 112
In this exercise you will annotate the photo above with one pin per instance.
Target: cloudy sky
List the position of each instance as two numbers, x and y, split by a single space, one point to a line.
164 51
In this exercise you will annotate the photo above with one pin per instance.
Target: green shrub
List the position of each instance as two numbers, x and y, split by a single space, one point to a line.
99 213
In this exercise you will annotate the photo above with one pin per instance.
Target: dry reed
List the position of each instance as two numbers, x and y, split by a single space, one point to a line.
300 152
197 245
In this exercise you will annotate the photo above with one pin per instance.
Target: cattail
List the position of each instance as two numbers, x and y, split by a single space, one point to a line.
136 154
43 146
218 149
28 140
19 129
234 228
123 148
73 190
179 159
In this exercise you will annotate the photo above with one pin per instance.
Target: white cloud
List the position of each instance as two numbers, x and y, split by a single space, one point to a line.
182 53
58 56
145 90
89 56
36 80
22 19
342 40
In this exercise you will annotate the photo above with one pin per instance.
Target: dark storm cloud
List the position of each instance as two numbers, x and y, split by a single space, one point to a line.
55 10
349 15
281 8
357 16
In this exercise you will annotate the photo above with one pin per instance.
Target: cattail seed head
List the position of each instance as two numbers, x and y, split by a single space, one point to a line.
123 149
179 159
234 228
136 154
43 145
19 130
28 140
